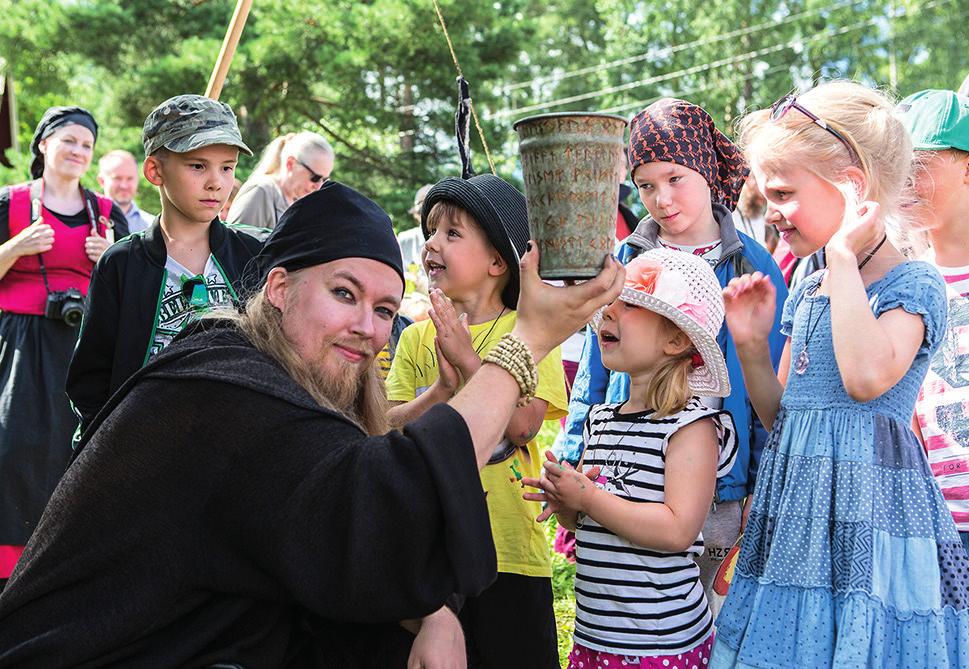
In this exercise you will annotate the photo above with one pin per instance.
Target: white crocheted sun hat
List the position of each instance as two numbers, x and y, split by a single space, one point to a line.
683 288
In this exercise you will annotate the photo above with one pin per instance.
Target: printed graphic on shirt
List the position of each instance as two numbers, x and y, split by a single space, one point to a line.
943 404
952 360
186 299
383 361
710 252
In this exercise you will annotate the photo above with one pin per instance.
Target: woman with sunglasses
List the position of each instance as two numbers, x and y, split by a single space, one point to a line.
850 557
52 231
291 166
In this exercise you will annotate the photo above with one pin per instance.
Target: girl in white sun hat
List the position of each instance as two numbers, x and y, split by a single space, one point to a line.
650 467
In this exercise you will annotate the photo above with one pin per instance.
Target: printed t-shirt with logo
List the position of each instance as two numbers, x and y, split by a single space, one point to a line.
711 251
519 541
942 408
178 305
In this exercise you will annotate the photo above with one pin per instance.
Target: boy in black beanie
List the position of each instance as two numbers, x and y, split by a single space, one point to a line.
476 231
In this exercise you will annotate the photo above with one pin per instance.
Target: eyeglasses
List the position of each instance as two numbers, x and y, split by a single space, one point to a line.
314 177
789 101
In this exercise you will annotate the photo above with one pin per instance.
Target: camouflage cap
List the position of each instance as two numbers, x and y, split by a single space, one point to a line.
188 122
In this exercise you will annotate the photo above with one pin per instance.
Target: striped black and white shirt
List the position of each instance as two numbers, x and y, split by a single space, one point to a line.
631 600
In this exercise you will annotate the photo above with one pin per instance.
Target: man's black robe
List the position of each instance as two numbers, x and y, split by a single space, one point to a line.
218 514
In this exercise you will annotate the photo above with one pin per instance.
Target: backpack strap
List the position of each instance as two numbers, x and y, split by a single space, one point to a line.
36 201
99 214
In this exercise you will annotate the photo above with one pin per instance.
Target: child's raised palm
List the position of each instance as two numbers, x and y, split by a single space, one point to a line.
448 377
453 333
749 302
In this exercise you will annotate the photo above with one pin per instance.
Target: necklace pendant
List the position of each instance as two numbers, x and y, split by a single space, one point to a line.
802 361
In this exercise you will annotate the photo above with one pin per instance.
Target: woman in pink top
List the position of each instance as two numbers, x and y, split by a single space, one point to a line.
52 231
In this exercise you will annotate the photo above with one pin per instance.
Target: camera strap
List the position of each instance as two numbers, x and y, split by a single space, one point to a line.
37 216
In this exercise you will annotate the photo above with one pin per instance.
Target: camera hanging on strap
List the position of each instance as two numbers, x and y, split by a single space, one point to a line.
61 305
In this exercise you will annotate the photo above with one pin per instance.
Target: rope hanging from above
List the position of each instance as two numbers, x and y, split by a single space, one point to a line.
461 121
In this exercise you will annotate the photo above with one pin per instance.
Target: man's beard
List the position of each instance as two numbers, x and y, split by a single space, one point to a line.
356 391
344 387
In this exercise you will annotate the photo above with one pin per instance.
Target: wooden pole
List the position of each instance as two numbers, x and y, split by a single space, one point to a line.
229 44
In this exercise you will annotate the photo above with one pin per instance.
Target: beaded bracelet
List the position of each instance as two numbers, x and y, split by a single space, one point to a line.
513 356
517 367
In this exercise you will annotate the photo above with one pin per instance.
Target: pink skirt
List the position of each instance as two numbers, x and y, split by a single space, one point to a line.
586 658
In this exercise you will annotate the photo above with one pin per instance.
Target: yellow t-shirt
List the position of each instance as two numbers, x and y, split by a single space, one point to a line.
519 540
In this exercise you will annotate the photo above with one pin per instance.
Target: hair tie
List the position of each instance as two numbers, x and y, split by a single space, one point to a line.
697 360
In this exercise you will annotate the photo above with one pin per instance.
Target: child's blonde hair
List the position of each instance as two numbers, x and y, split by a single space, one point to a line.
669 389
865 117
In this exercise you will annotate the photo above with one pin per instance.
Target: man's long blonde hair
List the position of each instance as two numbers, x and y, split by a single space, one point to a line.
364 403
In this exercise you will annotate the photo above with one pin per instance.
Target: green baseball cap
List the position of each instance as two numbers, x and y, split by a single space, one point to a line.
936 120
188 122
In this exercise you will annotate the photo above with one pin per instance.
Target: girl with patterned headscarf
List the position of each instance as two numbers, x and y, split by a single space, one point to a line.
689 176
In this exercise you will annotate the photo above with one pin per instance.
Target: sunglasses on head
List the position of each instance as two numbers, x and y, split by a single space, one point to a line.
789 101
314 177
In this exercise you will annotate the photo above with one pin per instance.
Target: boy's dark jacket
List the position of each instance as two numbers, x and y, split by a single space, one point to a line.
215 513
122 303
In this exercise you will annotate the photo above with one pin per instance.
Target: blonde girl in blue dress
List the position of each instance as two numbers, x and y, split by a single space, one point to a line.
850 558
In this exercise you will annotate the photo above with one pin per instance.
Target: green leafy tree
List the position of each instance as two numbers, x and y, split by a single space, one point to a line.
377 79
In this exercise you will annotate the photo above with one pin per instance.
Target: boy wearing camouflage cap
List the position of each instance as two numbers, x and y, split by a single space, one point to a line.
147 287
939 124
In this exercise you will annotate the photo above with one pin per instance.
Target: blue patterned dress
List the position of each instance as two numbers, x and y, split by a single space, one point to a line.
850 558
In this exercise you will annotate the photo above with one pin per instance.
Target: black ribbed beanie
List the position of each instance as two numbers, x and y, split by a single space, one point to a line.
332 223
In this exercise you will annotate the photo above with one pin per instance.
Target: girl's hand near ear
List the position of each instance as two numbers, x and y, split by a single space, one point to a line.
861 230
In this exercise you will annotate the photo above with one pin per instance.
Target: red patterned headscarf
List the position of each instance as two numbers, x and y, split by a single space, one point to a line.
676 131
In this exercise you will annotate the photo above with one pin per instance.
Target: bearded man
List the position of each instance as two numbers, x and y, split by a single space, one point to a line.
237 503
